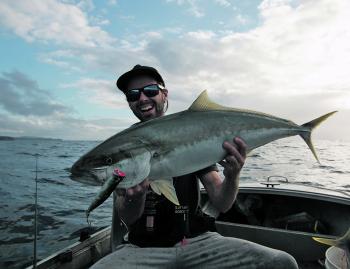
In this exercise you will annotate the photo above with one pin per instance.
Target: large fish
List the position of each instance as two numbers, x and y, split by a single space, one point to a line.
181 143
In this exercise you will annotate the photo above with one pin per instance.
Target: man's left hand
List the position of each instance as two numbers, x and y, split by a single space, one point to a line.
236 155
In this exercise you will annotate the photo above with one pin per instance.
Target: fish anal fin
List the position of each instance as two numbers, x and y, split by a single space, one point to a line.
166 188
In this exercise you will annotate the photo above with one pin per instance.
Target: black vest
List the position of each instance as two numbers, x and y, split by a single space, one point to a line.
163 224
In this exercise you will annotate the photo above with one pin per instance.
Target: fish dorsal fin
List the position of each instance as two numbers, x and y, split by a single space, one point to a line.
166 188
203 103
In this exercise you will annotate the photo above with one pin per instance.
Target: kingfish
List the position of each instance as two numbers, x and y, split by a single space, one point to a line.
341 242
182 143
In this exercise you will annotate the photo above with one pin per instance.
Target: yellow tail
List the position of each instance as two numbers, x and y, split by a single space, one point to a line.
310 126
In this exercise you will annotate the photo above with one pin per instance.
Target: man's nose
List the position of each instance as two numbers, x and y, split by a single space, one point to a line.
143 96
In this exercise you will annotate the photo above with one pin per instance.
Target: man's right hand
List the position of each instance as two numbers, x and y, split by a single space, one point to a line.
131 202
134 193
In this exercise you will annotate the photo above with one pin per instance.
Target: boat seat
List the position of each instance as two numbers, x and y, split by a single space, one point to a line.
299 244
302 221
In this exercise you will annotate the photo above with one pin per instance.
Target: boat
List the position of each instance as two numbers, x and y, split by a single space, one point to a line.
275 213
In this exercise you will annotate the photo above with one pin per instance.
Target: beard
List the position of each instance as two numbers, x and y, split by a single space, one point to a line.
157 110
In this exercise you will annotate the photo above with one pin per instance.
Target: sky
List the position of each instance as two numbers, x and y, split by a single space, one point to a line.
60 59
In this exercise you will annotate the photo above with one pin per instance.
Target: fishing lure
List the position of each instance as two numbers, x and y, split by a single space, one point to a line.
106 190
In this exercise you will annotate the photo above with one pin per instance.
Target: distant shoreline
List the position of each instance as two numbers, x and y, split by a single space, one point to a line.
6 138
12 138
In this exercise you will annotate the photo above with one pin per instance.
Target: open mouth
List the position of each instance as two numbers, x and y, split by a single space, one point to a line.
146 107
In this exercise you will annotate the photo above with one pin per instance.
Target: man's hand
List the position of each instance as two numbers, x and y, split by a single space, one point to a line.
222 193
134 193
130 202
236 155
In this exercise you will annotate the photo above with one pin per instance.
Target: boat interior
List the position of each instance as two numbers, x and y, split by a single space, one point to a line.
284 219
287 220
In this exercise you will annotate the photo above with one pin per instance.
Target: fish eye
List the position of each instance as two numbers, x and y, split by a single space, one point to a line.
109 160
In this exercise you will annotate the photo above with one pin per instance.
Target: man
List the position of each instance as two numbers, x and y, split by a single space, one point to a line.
162 235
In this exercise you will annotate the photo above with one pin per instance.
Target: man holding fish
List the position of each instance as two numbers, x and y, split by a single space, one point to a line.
165 234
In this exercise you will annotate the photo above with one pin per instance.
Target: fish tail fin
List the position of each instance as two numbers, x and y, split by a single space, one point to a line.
339 242
310 126
345 239
326 241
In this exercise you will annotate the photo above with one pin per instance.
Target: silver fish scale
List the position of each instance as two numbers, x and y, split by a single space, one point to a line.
189 127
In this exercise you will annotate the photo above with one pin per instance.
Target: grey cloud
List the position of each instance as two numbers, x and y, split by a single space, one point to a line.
20 80
21 95
64 127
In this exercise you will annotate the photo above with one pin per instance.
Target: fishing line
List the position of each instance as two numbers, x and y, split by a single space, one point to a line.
35 211
87 220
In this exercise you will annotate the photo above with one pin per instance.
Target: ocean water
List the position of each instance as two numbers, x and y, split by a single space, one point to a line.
62 202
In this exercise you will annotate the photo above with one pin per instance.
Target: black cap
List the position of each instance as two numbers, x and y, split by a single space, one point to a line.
138 70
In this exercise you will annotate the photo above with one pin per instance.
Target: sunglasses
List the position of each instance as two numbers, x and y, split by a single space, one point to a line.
149 90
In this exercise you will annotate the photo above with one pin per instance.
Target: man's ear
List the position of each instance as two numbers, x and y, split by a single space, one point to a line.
165 92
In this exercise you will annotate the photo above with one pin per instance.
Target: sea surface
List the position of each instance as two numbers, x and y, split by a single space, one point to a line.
62 202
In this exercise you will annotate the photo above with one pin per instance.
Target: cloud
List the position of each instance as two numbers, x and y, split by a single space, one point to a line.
295 51
22 96
99 92
112 2
53 21
28 110
61 126
87 5
223 3
192 7
241 19
294 64
201 35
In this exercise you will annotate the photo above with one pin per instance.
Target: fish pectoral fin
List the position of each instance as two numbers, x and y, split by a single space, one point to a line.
166 188
326 241
155 187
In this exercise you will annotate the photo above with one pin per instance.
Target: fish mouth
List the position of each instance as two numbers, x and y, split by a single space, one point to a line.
94 176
